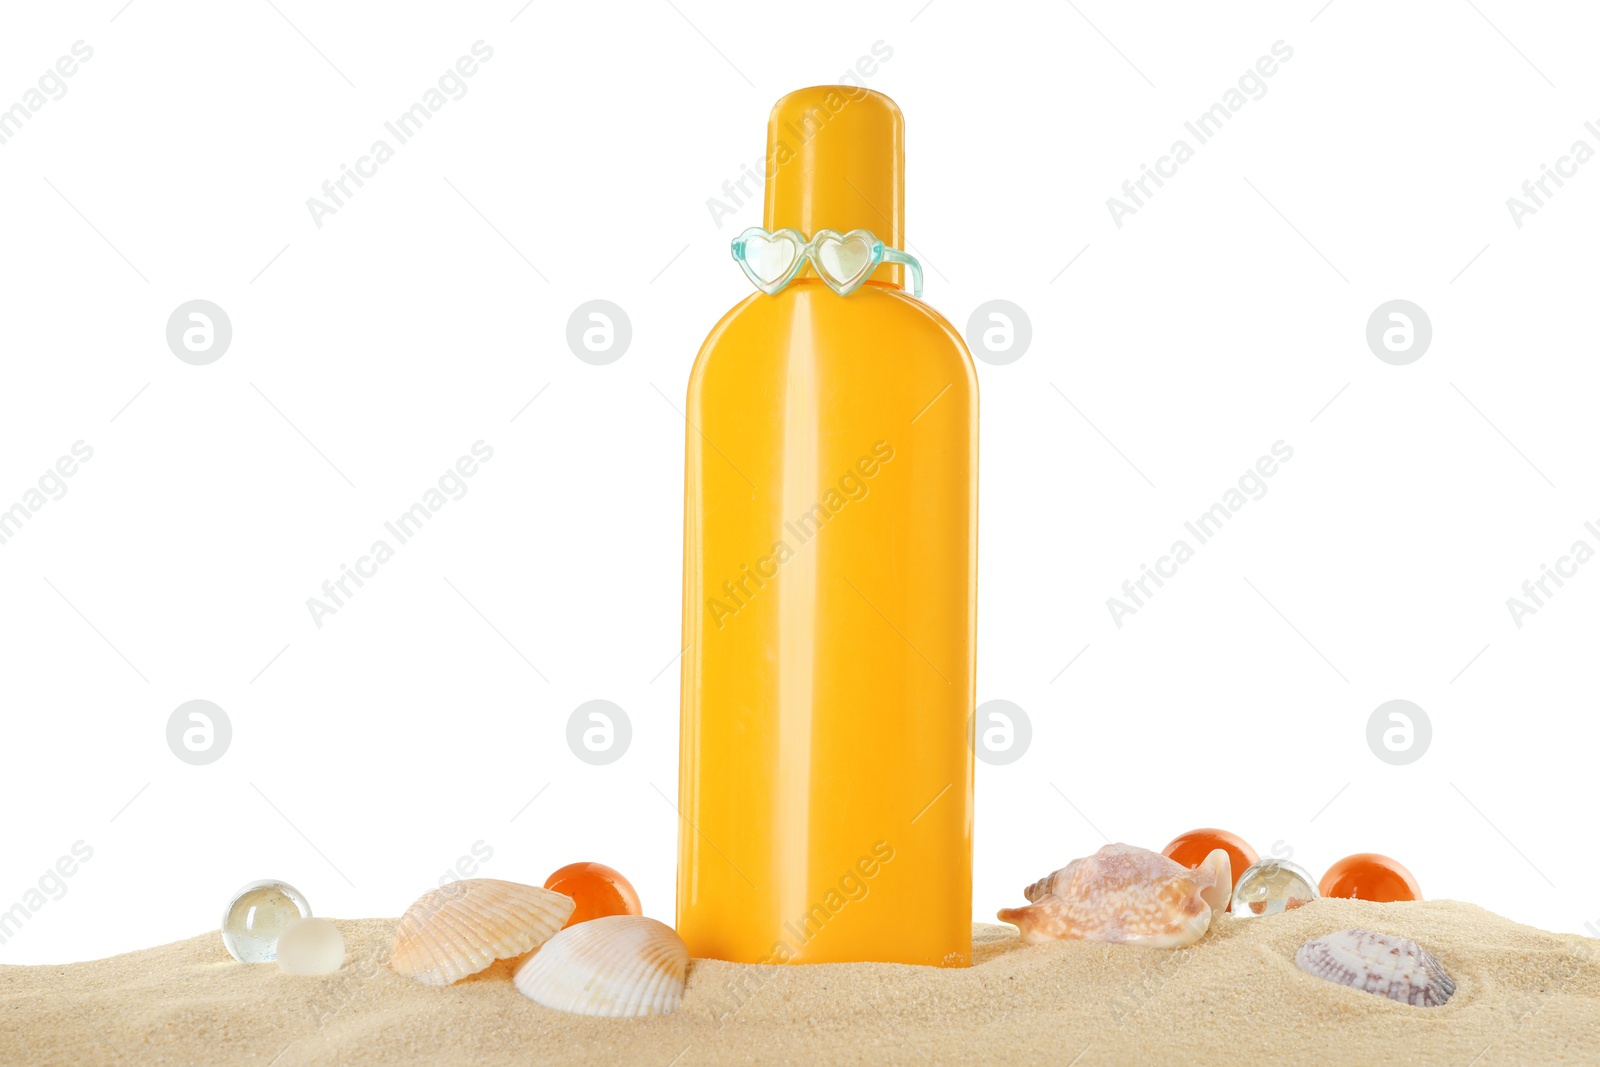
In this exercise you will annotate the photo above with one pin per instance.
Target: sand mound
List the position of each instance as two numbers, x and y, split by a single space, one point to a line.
1523 996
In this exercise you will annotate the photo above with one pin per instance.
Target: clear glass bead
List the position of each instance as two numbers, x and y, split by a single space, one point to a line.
1271 887
256 917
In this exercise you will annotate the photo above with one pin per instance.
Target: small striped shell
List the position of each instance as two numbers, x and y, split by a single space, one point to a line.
462 927
1393 967
616 966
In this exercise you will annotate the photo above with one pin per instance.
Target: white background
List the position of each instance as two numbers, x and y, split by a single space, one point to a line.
369 754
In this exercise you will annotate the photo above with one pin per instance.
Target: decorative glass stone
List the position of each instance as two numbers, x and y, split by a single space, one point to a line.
1271 887
310 946
256 917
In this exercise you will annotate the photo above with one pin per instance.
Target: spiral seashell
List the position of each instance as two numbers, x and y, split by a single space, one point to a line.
462 927
616 966
1390 966
1126 895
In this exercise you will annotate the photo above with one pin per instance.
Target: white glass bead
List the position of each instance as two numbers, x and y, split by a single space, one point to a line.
310 946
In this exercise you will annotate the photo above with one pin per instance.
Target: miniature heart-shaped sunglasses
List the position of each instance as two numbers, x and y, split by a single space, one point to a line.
843 260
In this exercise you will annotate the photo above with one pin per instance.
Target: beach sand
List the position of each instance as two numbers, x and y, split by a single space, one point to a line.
1523 996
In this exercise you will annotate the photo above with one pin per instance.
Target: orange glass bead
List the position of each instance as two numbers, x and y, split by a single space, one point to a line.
598 889
1191 848
1369 876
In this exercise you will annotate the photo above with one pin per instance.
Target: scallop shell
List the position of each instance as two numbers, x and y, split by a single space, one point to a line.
1127 895
463 927
1390 966
616 966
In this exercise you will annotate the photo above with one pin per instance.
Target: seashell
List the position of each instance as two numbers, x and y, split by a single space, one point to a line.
1127 895
616 966
462 927
1390 966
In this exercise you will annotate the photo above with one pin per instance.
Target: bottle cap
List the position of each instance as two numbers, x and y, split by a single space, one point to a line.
836 161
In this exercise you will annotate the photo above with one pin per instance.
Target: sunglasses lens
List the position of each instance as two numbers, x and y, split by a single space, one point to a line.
769 257
845 262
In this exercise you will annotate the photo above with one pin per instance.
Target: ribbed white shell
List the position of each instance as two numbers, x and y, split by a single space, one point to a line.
617 966
463 927
1393 967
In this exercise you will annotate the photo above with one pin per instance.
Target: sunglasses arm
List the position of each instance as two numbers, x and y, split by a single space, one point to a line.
894 255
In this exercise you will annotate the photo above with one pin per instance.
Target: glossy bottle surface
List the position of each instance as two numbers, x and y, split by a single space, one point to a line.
830 568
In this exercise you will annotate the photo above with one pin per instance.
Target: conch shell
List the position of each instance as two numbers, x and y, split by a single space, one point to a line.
1126 895
463 927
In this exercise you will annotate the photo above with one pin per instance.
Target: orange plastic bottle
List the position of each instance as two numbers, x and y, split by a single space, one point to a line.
830 577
